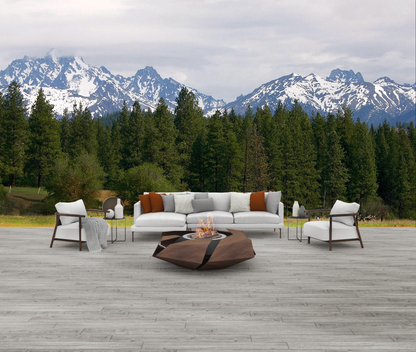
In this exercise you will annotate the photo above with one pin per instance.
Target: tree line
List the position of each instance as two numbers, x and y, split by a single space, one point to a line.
313 159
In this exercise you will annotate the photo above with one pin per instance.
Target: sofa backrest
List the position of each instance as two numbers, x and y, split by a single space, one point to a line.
222 200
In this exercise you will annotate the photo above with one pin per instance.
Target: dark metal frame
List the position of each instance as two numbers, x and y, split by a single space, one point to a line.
355 217
301 218
58 222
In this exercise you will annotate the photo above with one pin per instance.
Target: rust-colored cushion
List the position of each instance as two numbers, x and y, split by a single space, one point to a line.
145 200
156 202
257 202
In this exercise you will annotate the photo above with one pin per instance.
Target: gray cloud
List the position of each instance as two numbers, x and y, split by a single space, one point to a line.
221 47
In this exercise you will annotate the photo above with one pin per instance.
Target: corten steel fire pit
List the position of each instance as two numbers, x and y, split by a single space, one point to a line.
204 253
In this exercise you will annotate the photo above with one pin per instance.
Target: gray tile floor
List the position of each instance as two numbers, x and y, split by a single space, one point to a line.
291 297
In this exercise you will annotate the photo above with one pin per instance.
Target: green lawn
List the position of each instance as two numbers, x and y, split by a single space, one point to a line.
49 221
39 221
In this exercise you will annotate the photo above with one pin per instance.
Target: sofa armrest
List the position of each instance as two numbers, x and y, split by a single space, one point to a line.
281 211
137 210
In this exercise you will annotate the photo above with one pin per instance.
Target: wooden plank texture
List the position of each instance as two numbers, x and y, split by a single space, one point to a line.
292 296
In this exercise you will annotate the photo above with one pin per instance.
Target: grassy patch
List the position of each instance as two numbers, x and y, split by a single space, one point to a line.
49 221
43 221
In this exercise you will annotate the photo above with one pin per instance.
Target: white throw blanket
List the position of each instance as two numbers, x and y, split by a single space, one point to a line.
96 233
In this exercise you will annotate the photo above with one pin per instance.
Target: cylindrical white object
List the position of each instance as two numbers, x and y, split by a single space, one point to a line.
295 210
118 210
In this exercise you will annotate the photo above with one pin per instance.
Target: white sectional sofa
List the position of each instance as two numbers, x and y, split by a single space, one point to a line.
228 211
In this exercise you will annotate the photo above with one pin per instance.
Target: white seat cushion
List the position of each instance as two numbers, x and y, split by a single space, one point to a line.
161 219
219 217
320 230
71 232
256 217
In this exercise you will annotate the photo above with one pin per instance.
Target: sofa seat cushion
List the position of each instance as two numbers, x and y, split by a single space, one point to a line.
161 220
219 217
320 230
256 217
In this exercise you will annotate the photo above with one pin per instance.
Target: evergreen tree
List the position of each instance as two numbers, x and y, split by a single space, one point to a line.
125 132
83 132
65 132
2 135
334 174
246 138
14 128
189 121
233 155
406 177
267 128
136 137
363 177
108 157
162 149
44 143
216 144
258 175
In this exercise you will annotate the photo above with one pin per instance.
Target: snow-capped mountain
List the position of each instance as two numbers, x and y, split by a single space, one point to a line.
371 102
69 80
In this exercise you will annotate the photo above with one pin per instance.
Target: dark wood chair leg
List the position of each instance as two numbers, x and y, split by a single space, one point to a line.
330 234
80 242
53 236
358 231
57 222
132 236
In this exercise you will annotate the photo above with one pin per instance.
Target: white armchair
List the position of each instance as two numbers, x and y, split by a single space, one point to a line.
342 224
68 222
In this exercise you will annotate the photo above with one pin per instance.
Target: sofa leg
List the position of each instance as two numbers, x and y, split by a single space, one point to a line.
132 236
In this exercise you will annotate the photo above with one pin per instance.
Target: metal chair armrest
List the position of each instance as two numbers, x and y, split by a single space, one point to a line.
349 214
65 214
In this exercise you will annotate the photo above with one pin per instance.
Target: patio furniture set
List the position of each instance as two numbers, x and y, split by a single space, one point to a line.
204 231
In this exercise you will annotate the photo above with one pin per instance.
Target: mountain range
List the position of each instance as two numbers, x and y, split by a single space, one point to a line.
69 80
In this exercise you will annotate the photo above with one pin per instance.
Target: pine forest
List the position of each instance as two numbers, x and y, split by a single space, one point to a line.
313 159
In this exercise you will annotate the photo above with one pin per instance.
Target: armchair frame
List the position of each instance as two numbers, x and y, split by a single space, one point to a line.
355 217
58 222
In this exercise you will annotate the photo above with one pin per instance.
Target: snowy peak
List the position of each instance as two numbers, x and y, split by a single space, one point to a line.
344 76
68 80
371 102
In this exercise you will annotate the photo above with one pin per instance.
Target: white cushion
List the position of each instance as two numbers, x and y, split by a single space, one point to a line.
239 202
71 232
183 203
160 219
219 217
77 207
256 217
222 201
341 207
272 201
320 230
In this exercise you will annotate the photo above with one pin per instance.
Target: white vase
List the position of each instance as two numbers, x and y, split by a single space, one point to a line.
118 210
110 214
295 209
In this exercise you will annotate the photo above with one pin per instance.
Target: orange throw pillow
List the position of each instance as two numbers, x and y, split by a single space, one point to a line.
145 200
156 202
257 202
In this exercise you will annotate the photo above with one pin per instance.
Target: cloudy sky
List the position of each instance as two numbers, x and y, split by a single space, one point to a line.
223 48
